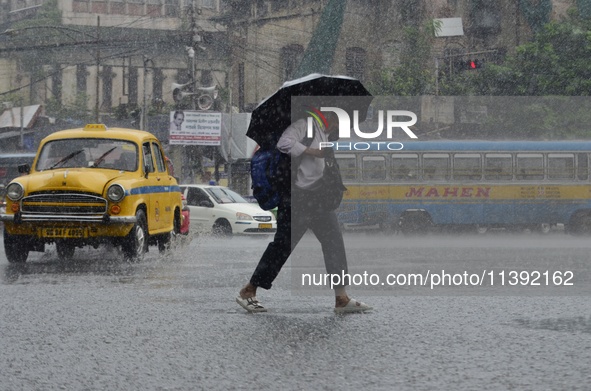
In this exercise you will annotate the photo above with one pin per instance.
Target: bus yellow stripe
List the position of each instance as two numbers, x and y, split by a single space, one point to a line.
468 192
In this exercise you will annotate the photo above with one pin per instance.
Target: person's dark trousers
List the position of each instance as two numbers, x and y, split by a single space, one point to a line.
291 227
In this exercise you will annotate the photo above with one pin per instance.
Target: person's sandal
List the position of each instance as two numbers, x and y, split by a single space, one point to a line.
251 304
353 306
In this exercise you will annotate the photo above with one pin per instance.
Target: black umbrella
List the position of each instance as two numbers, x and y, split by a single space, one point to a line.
273 115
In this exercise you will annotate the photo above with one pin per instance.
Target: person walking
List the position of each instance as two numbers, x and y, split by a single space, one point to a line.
292 224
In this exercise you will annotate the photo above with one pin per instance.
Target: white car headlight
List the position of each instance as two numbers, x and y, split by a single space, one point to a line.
15 191
243 216
115 193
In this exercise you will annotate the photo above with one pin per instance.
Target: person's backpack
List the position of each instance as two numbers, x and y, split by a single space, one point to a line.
271 173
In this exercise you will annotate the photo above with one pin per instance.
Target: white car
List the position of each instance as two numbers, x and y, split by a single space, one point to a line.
221 211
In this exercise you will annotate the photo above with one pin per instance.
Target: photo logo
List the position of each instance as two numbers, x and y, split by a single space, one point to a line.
390 117
345 122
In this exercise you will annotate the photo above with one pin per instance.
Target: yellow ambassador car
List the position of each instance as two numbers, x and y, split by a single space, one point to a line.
90 186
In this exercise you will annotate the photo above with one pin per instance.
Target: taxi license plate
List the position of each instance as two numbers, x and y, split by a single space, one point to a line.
62 232
265 226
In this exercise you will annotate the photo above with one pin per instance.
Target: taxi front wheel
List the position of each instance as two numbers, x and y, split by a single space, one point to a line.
136 243
16 248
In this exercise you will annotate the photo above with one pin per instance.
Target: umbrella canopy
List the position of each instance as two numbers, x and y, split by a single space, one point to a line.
273 115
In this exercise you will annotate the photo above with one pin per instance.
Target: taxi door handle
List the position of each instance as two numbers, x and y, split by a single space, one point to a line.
157 178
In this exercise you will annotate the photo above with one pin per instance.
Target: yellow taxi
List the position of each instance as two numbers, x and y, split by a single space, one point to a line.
90 186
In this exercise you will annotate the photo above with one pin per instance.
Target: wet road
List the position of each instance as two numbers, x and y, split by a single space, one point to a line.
171 323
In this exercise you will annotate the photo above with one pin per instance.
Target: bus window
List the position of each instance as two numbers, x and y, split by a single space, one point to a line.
404 167
348 166
582 166
436 166
373 168
498 167
561 166
467 167
530 166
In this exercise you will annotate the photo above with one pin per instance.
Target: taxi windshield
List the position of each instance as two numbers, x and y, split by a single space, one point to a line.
88 153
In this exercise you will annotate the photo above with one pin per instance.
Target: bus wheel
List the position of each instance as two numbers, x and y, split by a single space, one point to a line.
388 227
580 224
481 230
544 228
414 223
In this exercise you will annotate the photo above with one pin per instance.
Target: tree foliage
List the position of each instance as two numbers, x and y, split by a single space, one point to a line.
537 13
413 76
556 62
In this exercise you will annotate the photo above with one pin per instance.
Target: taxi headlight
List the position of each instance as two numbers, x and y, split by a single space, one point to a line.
15 191
243 216
115 193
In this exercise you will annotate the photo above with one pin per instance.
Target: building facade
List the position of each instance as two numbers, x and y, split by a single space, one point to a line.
269 37
123 52
109 54
118 56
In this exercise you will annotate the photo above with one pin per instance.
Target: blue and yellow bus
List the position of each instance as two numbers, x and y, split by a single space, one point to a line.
470 184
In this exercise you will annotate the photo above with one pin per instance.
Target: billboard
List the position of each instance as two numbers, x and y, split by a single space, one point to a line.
188 127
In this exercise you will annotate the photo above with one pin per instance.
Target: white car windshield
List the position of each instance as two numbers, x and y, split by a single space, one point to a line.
88 152
224 195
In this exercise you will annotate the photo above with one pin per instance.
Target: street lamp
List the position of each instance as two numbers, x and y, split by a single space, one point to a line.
144 113
191 53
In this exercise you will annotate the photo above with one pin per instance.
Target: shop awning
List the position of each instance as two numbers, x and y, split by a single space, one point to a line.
11 118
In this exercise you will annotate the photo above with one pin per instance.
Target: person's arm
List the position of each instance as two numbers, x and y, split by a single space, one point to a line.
289 142
314 152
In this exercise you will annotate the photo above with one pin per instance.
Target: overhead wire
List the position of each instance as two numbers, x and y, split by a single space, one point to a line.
245 51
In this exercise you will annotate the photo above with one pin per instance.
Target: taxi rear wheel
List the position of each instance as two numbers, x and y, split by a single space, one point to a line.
168 240
16 248
136 243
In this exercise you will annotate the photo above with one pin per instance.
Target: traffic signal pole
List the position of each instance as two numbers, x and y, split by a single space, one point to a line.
461 63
